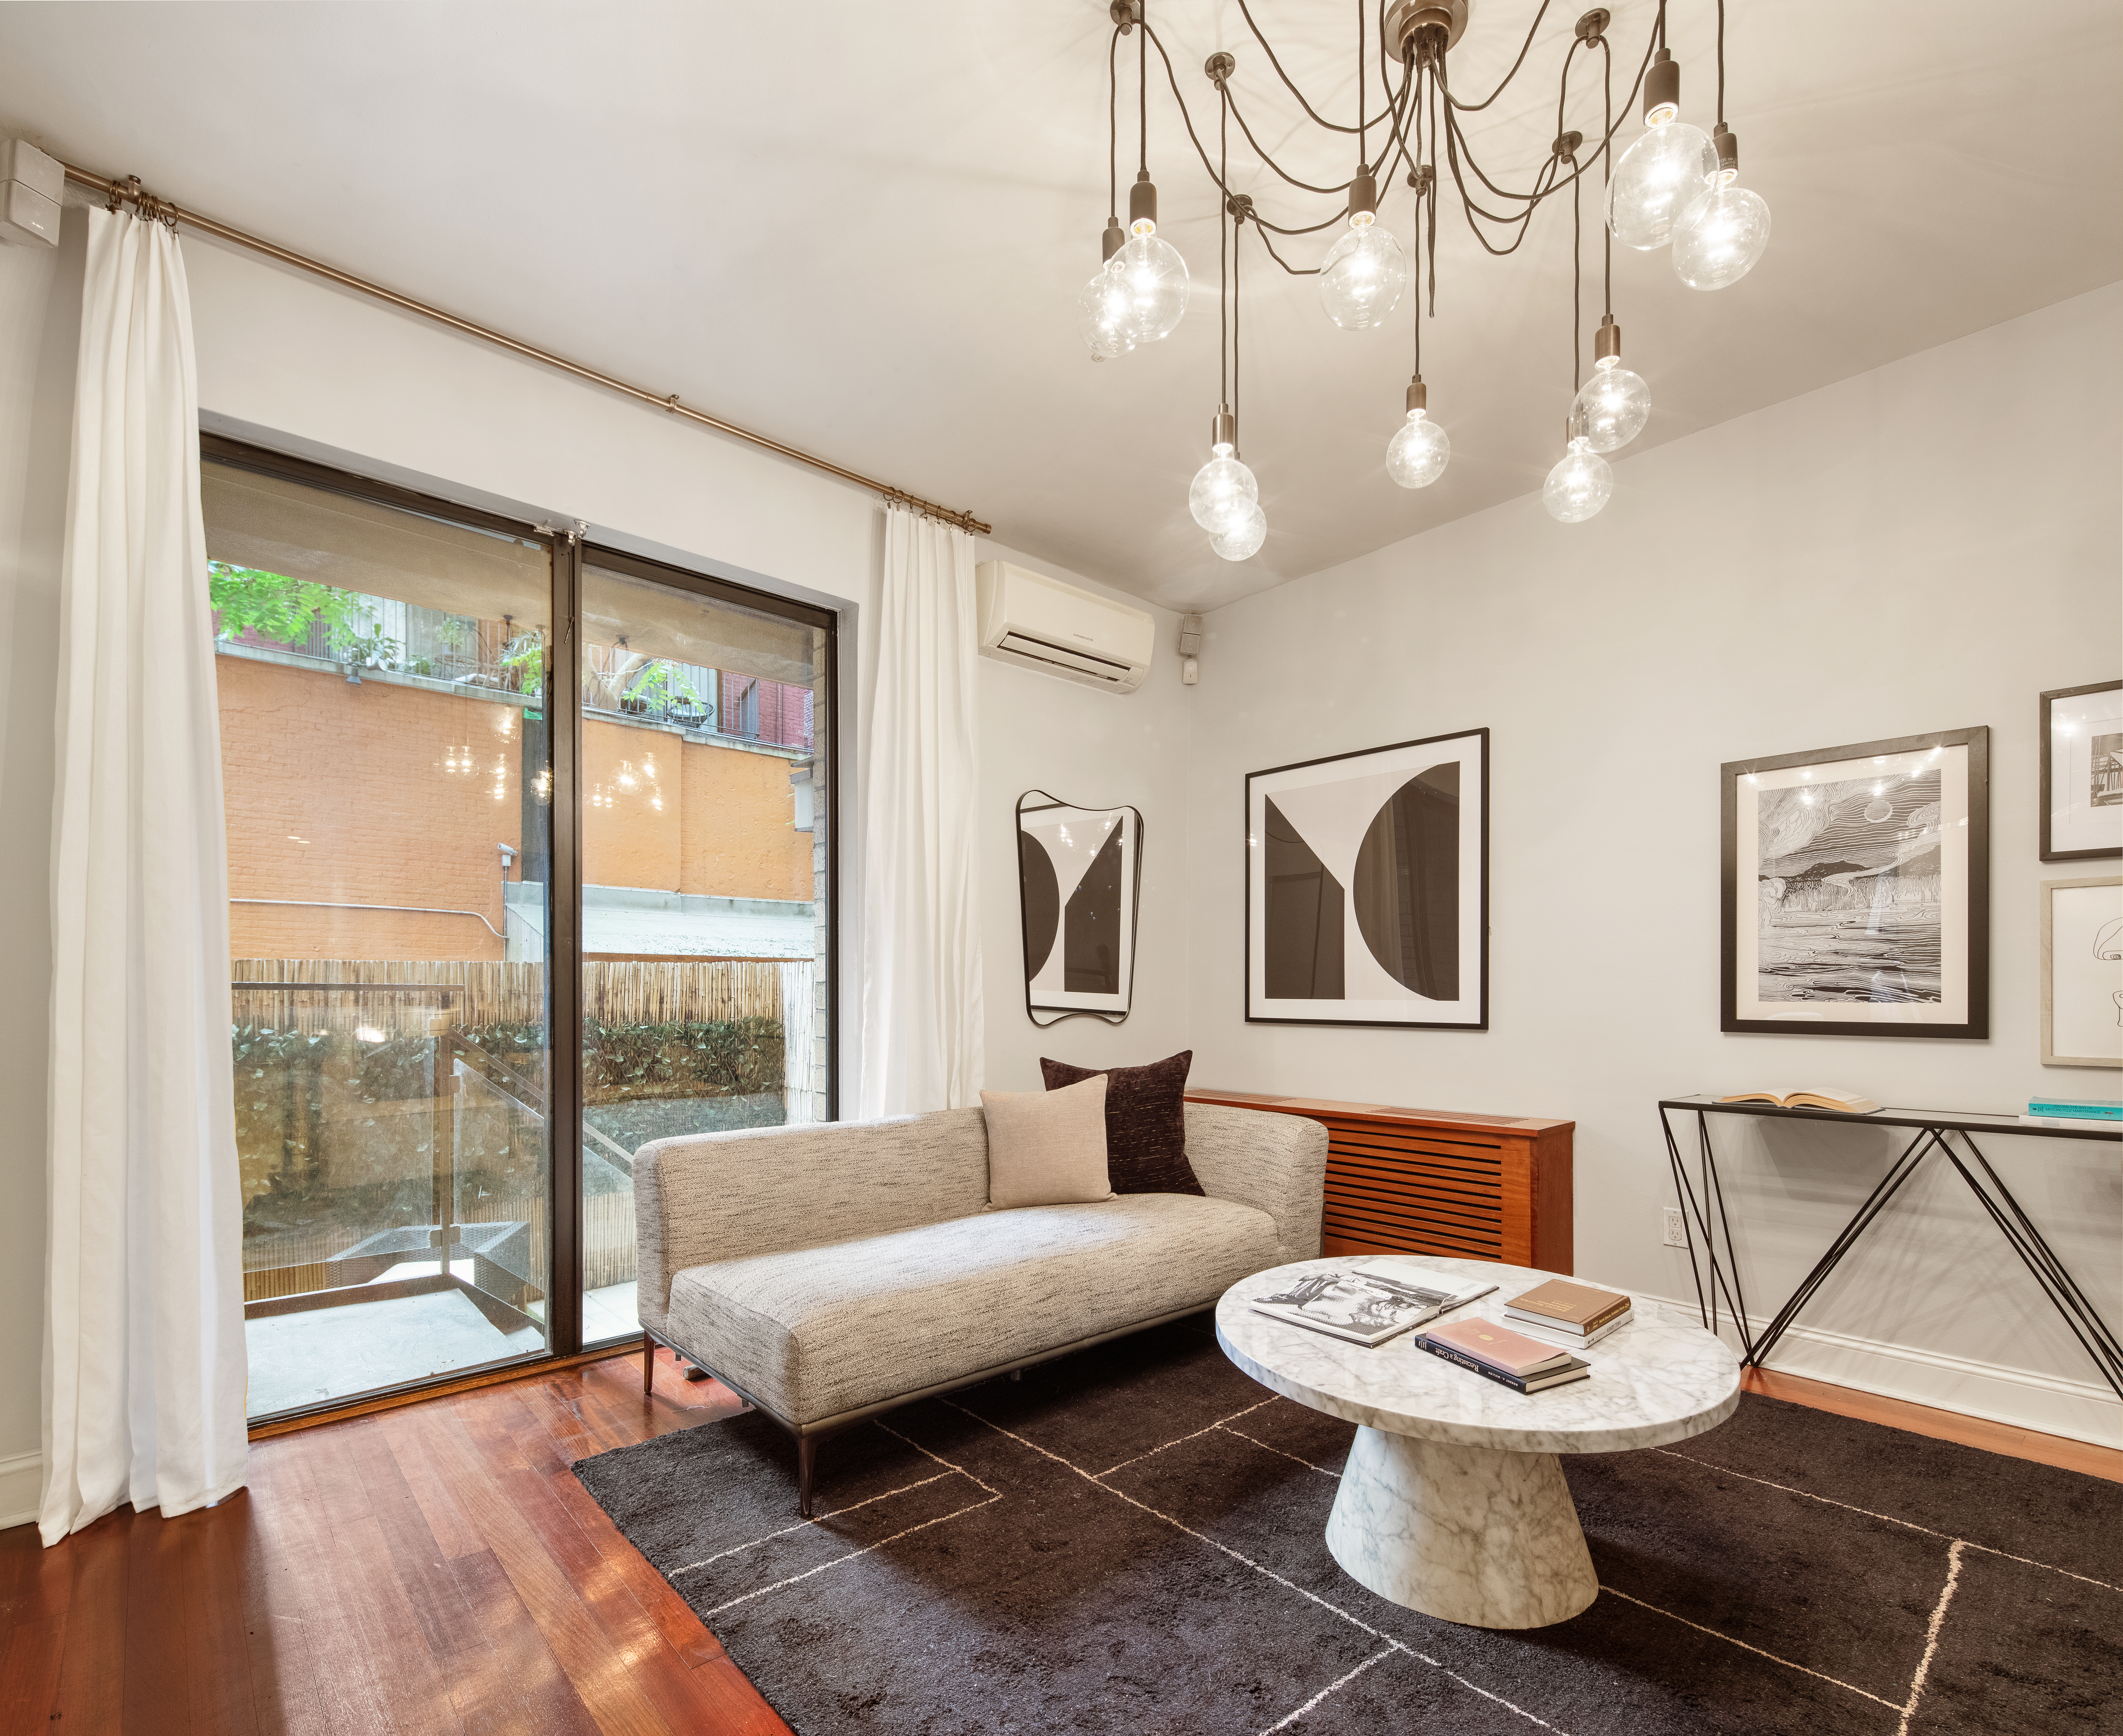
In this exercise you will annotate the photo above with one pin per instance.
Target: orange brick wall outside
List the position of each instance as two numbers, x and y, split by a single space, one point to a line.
378 793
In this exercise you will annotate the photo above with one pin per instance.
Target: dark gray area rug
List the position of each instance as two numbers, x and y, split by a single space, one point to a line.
1129 1540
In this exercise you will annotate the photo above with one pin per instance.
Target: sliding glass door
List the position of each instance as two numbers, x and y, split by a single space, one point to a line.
389 801
499 918
705 914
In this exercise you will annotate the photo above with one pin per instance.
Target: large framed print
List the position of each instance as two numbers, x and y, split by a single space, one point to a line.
1367 887
1856 889
2082 972
2081 783
1078 870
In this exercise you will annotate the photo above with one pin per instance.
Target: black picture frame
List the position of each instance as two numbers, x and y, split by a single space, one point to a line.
1970 972
1470 894
2050 785
1129 840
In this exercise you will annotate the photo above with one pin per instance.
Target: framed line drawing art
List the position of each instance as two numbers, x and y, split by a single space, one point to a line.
1855 894
2081 783
1078 870
2082 972
1367 887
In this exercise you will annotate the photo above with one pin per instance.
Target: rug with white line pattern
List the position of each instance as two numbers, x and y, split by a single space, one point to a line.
1129 1540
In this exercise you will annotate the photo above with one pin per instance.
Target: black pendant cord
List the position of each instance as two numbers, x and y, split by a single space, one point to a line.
1459 157
1721 63
1606 175
1288 84
1576 309
1114 128
1223 233
1363 89
1142 82
1475 108
1236 307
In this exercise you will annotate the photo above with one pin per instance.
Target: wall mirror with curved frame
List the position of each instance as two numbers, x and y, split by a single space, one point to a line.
1079 869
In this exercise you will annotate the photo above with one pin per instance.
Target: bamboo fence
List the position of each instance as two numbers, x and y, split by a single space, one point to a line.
470 992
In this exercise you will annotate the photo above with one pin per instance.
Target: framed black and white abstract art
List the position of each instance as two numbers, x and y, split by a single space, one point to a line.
1367 887
1856 889
2081 782
1078 870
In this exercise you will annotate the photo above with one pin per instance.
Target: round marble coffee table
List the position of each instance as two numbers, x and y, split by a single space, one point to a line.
1453 1501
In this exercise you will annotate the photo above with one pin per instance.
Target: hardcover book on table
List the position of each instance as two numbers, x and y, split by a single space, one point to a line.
1560 1370
1577 1310
1368 1308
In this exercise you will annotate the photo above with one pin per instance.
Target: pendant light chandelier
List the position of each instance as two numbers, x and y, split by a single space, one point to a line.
1672 186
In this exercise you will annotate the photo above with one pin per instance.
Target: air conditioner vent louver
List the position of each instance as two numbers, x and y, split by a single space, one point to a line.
1039 623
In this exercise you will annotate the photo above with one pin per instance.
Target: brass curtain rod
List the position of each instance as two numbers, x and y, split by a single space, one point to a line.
163 211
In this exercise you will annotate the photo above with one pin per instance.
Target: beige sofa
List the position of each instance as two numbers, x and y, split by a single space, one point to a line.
829 1273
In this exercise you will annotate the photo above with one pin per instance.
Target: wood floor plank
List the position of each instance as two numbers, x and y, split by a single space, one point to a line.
599 1671
307 1583
91 1698
158 1687
35 1582
29 1673
405 1432
527 1689
223 1698
664 1676
682 1631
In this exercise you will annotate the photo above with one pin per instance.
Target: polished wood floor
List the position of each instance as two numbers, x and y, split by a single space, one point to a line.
429 1570
438 1569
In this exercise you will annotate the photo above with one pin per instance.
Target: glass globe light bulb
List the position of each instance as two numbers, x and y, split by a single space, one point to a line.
1579 485
1417 455
1156 278
1102 311
1656 177
1243 541
1223 489
1613 408
1720 234
1362 276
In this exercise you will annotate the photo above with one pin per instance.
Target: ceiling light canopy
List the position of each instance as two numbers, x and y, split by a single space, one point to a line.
1673 185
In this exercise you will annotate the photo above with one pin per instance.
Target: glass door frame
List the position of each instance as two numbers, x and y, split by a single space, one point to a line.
563 705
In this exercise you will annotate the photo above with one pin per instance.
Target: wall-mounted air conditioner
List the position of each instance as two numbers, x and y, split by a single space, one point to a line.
1043 624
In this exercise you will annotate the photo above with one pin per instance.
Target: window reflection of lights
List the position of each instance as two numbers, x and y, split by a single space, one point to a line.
656 802
626 774
367 1034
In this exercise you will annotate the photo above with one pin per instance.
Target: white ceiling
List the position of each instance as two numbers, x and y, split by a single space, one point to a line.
861 228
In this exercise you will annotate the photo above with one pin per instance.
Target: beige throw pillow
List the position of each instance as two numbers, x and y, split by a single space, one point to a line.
1048 1147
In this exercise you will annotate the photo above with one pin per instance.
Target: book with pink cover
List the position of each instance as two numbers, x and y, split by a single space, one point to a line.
1500 1347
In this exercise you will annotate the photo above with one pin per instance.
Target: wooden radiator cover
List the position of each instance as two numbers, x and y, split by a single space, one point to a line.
1430 1182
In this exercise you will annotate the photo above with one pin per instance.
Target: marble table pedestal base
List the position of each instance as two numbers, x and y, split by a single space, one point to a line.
1467 1534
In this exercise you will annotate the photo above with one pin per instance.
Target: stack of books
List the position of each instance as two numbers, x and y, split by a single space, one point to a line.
2104 1115
1576 1313
1497 1353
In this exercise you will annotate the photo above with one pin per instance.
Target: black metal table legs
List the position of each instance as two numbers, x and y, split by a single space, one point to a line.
1702 1215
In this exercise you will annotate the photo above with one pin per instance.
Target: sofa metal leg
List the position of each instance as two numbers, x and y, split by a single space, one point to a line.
647 1362
807 1461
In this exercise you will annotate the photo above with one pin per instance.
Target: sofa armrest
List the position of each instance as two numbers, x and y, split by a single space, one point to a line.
1275 1164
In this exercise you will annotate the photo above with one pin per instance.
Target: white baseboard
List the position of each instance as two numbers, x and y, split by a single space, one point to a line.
2082 1409
22 1488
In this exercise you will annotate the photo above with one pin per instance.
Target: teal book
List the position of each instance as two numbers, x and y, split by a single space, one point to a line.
2082 1109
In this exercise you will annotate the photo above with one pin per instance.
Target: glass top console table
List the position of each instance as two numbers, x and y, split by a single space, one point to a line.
1950 1133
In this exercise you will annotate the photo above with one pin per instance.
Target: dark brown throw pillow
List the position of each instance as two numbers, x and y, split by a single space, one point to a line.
1146 1122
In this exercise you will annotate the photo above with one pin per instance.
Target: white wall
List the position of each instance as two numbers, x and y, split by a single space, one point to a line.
1101 750
39 316
1927 546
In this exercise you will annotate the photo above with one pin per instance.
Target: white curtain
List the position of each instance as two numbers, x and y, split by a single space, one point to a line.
921 1030
145 1370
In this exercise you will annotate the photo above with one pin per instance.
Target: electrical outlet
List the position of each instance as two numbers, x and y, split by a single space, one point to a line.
1676 1230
